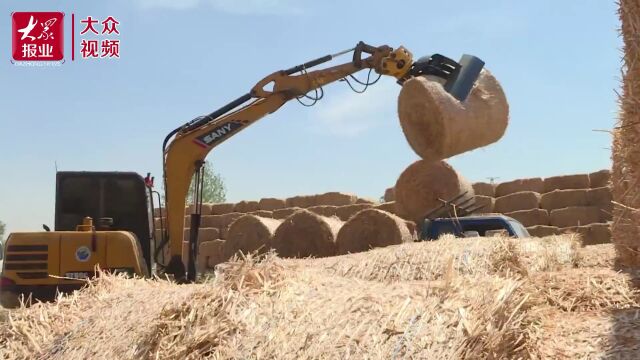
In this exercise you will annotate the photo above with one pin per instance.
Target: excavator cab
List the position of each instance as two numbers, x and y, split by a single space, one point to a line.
114 200
101 220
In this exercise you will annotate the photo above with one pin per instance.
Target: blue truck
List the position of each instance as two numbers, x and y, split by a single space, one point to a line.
474 225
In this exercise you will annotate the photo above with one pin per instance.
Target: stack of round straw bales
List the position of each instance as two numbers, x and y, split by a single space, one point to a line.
579 203
438 126
229 229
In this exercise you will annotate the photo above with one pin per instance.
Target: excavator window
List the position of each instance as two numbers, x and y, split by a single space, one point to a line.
120 196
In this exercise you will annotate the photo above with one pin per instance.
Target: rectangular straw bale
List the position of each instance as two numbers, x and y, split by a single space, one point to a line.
346 212
531 217
389 194
591 234
262 213
523 200
574 216
304 201
484 189
324 210
602 198
271 204
219 221
210 253
335 199
208 234
487 203
543 230
158 222
365 201
206 209
558 199
285 213
222 208
245 206
158 211
599 178
389 206
577 181
518 185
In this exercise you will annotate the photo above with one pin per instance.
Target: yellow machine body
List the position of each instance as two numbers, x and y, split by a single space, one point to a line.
41 263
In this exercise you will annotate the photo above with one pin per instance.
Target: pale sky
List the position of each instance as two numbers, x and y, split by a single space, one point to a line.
558 61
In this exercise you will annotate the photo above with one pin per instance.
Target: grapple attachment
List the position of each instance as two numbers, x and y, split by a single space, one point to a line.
459 76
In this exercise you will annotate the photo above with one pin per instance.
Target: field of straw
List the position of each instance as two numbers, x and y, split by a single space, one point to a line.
455 298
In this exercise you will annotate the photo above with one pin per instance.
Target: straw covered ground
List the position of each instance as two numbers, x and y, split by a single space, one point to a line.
473 298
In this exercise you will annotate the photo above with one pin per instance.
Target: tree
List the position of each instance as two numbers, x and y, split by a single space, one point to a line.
213 189
2 227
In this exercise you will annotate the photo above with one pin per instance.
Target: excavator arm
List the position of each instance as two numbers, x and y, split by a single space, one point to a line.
189 145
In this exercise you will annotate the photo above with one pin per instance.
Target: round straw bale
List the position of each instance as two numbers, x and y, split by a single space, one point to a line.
558 199
335 199
531 217
219 221
301 201
250 233
599 178
245 206
271 204
421 187
438 126
346 212
389 206
222 208
285 213
574 216
323 210
372 228
523 200
578 181
262 213
210 253
306 234
591 234
487 203
484 189
514 186
389 194
543 230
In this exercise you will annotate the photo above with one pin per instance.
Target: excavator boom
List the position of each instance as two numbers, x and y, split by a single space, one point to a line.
186 147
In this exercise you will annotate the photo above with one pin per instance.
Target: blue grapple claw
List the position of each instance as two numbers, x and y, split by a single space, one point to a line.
459 76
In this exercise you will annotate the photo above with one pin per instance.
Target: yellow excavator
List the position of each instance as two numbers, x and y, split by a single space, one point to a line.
105 219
